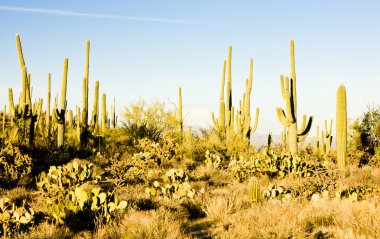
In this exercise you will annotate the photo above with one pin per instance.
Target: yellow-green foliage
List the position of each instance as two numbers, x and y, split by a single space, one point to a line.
14 218
13 164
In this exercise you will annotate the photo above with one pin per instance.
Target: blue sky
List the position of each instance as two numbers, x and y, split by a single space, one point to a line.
147 49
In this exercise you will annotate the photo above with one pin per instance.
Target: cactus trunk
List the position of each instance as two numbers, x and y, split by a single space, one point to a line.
60 113
104 123
341 127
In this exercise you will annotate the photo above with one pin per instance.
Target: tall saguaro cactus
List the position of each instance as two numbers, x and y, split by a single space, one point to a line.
288 118
104 122
95 110
180 119
84 124
60 113
243 117
47 119
328 136
341 126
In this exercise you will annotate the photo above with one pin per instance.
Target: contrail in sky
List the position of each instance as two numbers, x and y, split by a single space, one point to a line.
90 15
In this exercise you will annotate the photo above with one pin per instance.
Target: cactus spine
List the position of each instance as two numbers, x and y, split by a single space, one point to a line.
289 119
254 190
60 113
341 127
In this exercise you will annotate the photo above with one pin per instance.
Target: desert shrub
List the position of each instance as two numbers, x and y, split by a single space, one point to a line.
148 121
157 152
127 170
365 133
13 165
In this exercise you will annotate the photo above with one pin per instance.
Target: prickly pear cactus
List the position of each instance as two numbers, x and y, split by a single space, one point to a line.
13 217
13 164
175 185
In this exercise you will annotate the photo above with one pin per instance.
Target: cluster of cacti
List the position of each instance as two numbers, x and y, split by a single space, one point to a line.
285 193
23 116
323 146
254 190
93 203
72 190
227 122
13 217
175 185
341 127
288 118
66 177
212 160
14 165
272 165
358 192
277 192
26 120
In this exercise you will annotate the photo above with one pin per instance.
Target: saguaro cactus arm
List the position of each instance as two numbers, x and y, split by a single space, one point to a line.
305 128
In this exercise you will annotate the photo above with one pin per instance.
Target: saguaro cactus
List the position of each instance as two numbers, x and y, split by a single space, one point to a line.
243 117
104 123
341 126
113 113
47 119
289 119
225 123
180 119
254 190
328 136
95 110
84 122
60 113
